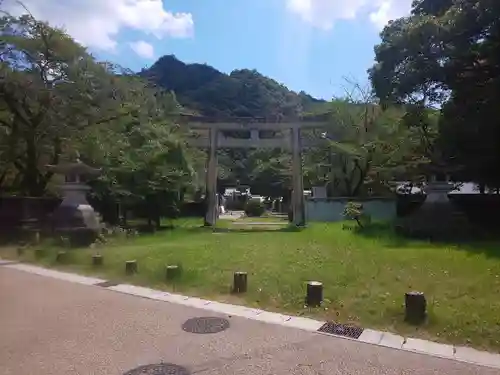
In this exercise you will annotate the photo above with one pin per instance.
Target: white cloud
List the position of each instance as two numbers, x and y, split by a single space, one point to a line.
97 23
389 10
324 13
143 49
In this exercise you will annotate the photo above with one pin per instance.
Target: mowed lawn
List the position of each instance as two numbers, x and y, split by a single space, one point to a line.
365 276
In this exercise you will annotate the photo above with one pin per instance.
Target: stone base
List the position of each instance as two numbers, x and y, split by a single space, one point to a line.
79 223
438 221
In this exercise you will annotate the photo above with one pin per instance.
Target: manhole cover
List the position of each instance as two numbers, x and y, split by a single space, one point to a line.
341 330
159 369
205 325
107 284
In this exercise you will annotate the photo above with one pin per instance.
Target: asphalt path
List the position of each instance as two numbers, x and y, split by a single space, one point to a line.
50 326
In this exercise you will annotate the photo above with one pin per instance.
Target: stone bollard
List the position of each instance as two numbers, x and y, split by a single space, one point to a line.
20 251
172 272
39 253
97 260
415 307
130 267
240 282
314 295
61 256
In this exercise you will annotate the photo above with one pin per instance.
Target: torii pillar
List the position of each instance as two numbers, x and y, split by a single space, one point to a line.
211 180
298 207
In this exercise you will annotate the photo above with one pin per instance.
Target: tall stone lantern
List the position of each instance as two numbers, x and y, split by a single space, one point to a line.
75 218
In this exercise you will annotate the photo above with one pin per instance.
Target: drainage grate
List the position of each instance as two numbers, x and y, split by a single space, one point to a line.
159 369
107 284
205 325
341 330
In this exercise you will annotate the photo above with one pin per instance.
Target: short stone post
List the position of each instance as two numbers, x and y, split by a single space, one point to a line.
172 272
61 256
415 307
130 267
240 282
20 251
314 295
97 260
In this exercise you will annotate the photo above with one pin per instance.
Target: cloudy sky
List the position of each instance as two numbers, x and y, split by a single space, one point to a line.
308 45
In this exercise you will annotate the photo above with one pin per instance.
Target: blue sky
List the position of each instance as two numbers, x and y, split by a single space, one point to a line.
262 35
309 45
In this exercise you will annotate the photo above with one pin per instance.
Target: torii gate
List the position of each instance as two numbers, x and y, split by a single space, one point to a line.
208 133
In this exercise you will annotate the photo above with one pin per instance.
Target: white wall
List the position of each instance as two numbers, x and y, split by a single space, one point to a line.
331 209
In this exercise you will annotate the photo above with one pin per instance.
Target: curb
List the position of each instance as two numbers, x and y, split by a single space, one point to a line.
369 336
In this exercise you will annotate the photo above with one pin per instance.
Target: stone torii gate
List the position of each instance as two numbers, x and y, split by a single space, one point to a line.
211 134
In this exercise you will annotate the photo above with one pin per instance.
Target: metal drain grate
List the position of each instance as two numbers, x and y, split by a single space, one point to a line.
341 330
159 369
107 284
205 325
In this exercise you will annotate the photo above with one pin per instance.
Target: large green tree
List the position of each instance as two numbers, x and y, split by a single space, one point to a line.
55 98
446 54
51 90
143 155
365 147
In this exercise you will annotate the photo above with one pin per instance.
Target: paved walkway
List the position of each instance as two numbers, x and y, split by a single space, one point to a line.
231 215
50 326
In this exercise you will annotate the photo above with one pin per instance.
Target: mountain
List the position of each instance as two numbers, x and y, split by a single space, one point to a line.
242 93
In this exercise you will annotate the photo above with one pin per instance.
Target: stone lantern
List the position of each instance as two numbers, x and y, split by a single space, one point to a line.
437 218
75 218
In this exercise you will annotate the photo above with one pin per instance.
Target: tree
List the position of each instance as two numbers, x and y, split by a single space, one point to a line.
51 90
143 155
446 55
366 146
270 172
56 98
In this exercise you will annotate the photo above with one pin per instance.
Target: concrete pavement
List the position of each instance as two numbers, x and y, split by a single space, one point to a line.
50 326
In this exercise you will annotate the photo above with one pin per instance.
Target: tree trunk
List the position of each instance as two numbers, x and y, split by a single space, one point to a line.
31 181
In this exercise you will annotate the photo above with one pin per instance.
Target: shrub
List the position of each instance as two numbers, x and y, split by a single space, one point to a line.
254 208
355 211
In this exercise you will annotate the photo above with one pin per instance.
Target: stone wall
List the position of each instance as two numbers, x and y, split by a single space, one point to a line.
19 212
331 209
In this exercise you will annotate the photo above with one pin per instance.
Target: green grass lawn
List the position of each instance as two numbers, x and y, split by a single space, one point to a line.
365 275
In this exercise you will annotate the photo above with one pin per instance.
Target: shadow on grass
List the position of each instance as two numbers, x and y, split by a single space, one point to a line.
384 233
388 236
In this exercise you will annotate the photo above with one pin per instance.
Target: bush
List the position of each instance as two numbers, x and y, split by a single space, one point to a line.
355 211
197 208
254 208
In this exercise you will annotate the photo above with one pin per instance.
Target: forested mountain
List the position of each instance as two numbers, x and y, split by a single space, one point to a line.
243 93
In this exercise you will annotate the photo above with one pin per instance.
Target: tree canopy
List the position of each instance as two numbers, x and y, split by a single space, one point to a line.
446 55
55 99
